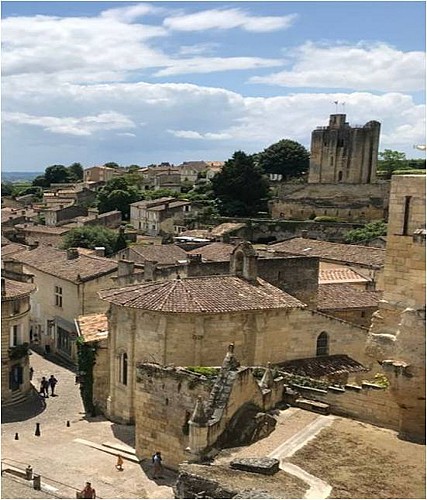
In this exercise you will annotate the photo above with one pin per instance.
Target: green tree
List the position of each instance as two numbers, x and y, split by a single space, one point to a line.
6 189
56 174
367 232
117 194
41 181
112 164
241 188
75 172
285 157
91 237
390 161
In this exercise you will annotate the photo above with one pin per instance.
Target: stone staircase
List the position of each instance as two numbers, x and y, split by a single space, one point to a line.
17 398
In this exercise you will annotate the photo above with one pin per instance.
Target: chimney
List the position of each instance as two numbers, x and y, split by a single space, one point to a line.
3 287
72 253
125 268
100 251
304 233
150 270
195 258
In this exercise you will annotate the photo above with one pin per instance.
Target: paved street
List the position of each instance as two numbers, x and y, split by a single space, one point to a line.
63 463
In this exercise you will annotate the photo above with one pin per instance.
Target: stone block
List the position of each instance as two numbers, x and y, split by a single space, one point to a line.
265 466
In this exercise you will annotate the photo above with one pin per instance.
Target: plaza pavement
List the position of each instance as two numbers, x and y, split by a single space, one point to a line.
64 464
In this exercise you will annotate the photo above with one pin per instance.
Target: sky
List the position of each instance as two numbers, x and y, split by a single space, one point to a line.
150 82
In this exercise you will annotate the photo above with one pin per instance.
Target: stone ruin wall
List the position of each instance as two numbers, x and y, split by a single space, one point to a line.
164 400
366 402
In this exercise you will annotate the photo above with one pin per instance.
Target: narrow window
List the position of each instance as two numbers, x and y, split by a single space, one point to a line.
340 176
322 346
58 296
406 215
124 369
15 334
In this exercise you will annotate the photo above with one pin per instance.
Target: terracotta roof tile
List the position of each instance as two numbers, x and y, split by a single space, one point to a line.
15 289
211 294
93 327
217 252
321 366
354 254
41 229
53 261
12 249
343 296
163 254
340 275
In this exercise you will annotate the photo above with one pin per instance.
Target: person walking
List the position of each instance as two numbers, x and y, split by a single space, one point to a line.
157 465
52 384
88 491
119 464
44 385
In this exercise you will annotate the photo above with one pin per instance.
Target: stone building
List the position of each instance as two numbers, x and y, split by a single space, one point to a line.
67 285
15 339
100 173
341 158
159 216
340 153
190 321
397 333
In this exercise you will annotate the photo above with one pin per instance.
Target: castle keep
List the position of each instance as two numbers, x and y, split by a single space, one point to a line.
341 153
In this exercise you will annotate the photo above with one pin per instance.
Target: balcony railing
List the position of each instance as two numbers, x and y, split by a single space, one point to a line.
19 351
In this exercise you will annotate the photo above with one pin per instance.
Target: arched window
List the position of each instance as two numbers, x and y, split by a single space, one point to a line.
124 368
322 346
340 176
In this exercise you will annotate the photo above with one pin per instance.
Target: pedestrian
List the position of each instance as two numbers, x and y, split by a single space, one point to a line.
31 372
52 384
44 385
88 491
119 465
157 465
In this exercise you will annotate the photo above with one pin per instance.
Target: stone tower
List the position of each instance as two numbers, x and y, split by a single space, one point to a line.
344 154
396 338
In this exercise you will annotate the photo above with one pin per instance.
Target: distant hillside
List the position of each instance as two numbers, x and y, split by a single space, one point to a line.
19 176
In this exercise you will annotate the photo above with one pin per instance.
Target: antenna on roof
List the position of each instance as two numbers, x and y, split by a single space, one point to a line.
336 107
343 107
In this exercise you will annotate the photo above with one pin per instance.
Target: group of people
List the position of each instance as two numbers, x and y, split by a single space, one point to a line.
45 384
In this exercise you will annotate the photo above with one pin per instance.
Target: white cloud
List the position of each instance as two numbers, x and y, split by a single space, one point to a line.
85 125
131 13
126 134
214 64
228 19
363 66
191 134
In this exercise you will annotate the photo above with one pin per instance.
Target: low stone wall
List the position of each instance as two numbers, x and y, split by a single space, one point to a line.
367 402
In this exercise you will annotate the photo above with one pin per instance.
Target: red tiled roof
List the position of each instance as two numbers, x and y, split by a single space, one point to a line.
15 289
54 262
216 252
340 275
12 249
210 294
163 254
354 254
343 296
93 327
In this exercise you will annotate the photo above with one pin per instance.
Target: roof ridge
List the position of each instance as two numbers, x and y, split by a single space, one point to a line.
202 309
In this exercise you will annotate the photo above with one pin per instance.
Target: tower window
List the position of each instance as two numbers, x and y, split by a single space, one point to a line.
406 215
322 345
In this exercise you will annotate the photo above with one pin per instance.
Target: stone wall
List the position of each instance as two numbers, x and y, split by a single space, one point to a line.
53 217
362 316
101 376
164 401
367 402
361 203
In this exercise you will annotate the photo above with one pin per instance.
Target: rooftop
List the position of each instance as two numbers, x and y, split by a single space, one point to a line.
163 254
210 294
321 366
216 252
343 296
30 228
340 275
92 327
217 231
54 262
15 289
11 249
353 254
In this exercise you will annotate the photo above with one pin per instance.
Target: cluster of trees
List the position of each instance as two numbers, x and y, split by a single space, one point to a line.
95 236
367 232
59 174
390 162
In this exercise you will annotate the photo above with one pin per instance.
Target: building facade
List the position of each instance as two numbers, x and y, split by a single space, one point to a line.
15 339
